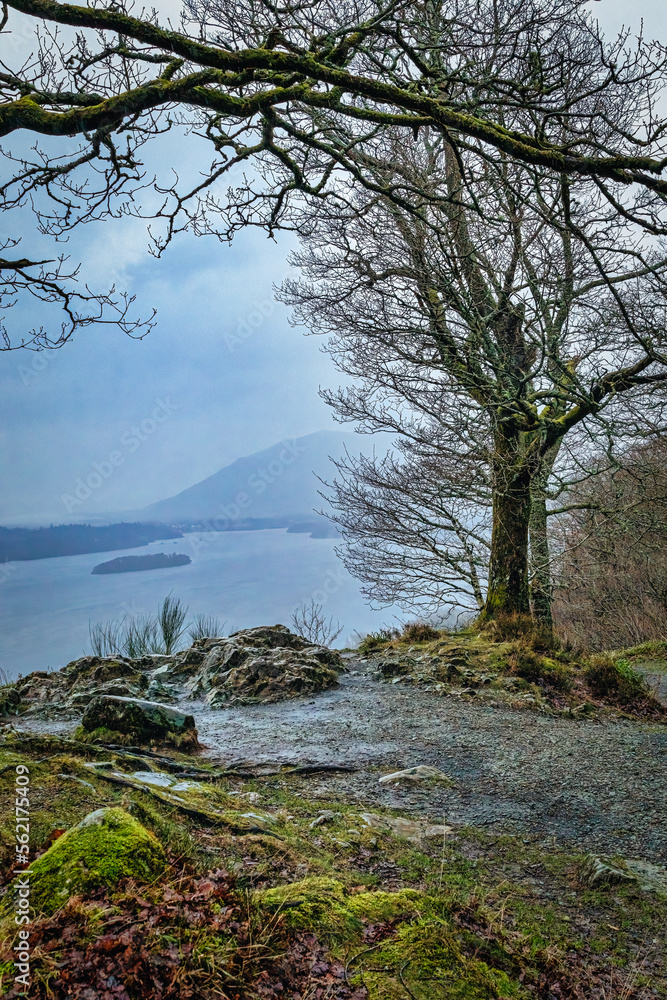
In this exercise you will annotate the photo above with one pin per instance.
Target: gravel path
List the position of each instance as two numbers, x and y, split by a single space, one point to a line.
598 785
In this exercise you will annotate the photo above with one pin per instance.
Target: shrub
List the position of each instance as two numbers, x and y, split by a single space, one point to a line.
171 622
419 632
376 640
206 627
615 679
310 622
510 627
536 669
142 635
507 628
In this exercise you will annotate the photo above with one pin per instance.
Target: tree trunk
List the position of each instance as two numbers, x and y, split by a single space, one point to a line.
540 584
541 587
508 590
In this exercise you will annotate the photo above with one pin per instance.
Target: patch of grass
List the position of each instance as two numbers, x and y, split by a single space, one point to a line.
377 640
516 626
144 635
653 649
419 632
615 678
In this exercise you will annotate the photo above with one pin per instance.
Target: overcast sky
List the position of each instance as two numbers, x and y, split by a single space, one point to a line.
222 373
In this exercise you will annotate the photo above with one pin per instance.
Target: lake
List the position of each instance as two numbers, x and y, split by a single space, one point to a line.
246 577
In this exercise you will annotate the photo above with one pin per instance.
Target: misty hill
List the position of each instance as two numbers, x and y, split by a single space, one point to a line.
278 483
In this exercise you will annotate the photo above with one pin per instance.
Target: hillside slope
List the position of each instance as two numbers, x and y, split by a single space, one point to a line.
277 482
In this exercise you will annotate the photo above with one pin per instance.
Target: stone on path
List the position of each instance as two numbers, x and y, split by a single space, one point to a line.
411 829
596 872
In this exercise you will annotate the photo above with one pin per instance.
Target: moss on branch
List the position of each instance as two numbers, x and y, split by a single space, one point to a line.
416 108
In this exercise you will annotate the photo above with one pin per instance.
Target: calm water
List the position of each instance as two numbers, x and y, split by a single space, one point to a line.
247 577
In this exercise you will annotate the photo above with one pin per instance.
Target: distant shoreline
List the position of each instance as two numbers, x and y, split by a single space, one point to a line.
135 564
23 544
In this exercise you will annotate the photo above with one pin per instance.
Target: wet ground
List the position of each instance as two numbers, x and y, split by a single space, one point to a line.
598 785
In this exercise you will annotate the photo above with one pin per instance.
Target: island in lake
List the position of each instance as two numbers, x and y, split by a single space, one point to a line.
132 564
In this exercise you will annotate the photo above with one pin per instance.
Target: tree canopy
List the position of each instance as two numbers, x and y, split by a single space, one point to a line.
489 174
296 92
504 330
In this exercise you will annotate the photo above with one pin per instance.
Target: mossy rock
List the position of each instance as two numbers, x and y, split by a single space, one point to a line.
106 846
139 721
326 906
10 699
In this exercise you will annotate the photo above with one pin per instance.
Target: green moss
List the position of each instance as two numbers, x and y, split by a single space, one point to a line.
325 905
103 735
106 846
653 649
425 958
535 668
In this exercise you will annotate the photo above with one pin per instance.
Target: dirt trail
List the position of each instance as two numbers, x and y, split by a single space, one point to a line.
598 785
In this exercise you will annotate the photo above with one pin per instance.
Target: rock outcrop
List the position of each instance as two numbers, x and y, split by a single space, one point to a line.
264 664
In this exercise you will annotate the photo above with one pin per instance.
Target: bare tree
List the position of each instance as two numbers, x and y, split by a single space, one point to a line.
298 92
506 329
415 525
523 96
50 283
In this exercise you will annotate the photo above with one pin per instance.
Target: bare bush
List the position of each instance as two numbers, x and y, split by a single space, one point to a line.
310 621
612 577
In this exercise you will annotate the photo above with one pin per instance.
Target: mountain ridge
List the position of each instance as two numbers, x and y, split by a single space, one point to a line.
277 482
